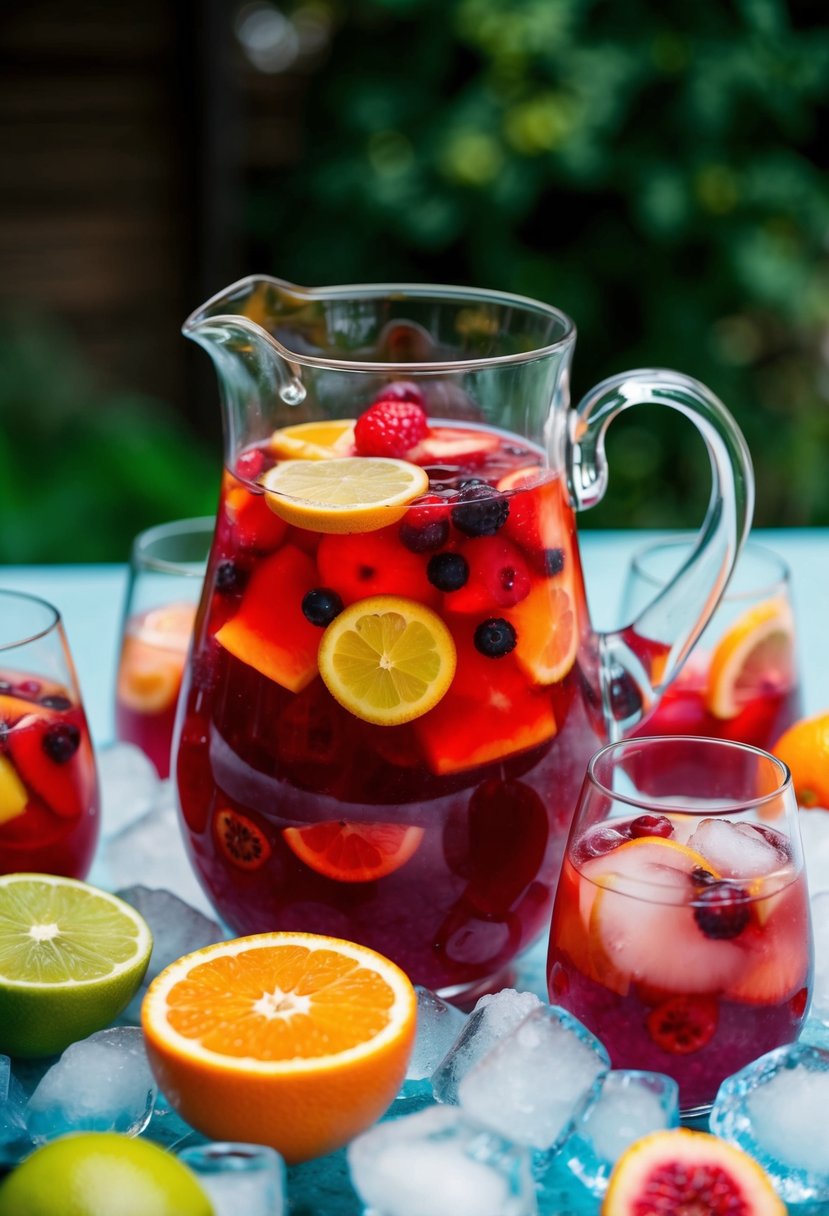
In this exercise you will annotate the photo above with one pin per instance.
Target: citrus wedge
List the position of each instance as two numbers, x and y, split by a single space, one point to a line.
321 440
547 631
288 1039
387 659
354 852
804 747
756 653
344 494
71 958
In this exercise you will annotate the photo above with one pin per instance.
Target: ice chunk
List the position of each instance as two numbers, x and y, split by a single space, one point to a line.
814 832
434 1163
775 1109
536 1081
736 850
820 988
177 928
495 1015
14 1138
102 1083
240 1179
630 1105
129 785
438 1025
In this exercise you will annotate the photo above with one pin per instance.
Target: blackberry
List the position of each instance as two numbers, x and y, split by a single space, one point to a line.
447 571
230 578
61 741
553 561
479 509
321 605
424 537
56 701
495 637
721 911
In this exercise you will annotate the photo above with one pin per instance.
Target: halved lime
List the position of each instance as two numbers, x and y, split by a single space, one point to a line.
71 959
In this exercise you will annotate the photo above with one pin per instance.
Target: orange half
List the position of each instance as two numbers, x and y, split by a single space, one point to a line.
756 653
354 852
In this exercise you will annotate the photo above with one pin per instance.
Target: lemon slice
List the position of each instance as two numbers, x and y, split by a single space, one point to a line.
319 440
344 494
756 652
387 660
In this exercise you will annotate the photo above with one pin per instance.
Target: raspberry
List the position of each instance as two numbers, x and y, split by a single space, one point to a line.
390 428
721 911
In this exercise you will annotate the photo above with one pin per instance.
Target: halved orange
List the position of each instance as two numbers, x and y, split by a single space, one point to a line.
756 653
354 852
320 440
387 659
288 1039
344 494
804 747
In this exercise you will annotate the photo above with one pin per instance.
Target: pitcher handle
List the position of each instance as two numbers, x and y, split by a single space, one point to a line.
632 672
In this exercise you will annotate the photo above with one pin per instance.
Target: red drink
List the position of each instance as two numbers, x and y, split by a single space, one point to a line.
150 669
49 808
436 841
683 942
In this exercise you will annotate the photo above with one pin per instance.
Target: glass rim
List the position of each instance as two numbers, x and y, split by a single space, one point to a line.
685 540
34 634
142 558
439 292
652 802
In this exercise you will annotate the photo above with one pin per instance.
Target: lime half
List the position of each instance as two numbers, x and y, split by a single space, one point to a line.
71 959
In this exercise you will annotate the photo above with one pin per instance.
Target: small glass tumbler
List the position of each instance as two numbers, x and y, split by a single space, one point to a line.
167 566
240 1179
49 796
681 933
741 679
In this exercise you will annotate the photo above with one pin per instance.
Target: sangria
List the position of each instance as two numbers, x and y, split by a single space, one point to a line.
167 565
681 931
49 800
741 681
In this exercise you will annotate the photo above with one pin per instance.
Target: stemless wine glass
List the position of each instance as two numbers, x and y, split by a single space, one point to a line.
49 798
681 933
741 680
167 565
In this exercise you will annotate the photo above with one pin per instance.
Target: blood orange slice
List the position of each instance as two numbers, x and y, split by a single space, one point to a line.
354 852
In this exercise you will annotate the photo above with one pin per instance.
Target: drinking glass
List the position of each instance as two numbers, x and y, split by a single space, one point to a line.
741 680
167 565
681 933
49 798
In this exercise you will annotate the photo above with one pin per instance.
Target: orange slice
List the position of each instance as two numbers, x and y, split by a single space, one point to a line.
756 653
152 658
547 632
344 494
354 852
804 747
288 1039
688 1171
320 440
387 659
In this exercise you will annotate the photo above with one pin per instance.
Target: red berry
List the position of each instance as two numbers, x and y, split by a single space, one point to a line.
400 390
390 428
722 911
250 464
426 525
651 825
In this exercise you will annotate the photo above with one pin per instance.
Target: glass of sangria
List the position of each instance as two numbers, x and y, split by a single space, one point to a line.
741 680
167 565
681 933
49 798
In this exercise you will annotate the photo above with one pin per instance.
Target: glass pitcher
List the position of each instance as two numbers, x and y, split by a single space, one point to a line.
394 686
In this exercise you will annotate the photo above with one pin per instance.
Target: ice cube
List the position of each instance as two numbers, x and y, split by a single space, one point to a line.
438 1025
814 832
775 1109
820 987
14 1138
495 1015
435 1163
129 785
246 1179
630 1105
102 1083
736 850
536 1080
177 928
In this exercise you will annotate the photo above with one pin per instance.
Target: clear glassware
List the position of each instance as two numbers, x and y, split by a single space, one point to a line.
167 565
681 934
239 1178
49 796
741 681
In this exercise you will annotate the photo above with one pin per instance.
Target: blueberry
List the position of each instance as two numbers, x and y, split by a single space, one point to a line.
480 510
229 577
428 536
61 741
495 637
553 561
721 911
56 701
447 571
321 605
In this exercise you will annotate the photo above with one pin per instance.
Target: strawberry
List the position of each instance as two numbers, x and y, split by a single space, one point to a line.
390 427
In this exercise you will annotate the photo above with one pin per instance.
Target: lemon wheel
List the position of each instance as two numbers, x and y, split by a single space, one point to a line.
344 494
321 440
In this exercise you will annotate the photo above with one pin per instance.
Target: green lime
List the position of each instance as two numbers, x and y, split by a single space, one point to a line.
71 959
102 1174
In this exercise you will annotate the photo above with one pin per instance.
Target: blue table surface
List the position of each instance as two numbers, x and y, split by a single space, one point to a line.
91 598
